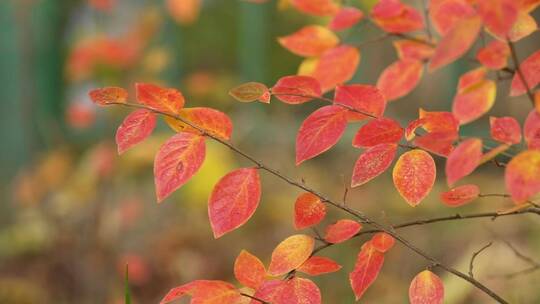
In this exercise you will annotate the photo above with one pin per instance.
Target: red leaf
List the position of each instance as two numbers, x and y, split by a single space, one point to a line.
382 241
234 199
505 130
108 95
212 121
523 27
395 17
426 288
460 195
293 89
204 292
522 175
463 160
439 143
320 131
317 265
470 78
439 121
414 175
409 49
293 291
346 18
498 15
445 14
378 131
363 98
158 98
290 254
336 66
135 128
531 130
311 40
475 101
249 270
308 211
456 42
177 161
368 265
341 231
494 55
530 68
373 163
316 7
400 78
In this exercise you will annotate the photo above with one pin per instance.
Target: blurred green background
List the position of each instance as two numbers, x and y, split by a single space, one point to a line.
73 213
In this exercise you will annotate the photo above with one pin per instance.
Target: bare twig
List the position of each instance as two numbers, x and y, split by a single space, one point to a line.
518 70
475 254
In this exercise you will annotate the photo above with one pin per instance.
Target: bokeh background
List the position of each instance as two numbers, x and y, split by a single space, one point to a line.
73 213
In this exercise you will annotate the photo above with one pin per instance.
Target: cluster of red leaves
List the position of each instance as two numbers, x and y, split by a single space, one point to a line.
329 63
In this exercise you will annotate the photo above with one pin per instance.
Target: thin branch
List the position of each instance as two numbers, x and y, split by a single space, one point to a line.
517 68
475 254
254 298
357 214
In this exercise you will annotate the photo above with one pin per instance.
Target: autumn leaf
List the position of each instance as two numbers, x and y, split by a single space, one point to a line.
530 68
439 143
426 287
409 49
456 42
308 211
522 175
414 175
234 199
317 265
498 15
158 98
107 95
378 131
400 78
290 254
249 270
292 291
296 89
461 195
204 292
463 160
382 241
210 120
523 27
446 13
395 17
345 18
366 100
494 55
531 130
184 12
336 66
439 121
505 130
372 163
135 128
319 132
368 265
341 231
474 101
316 7
311 40
471 78
177 161
249 92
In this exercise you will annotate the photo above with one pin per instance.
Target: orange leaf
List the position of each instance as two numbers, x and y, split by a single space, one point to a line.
498 15
341 231
290 254
177 161
531 130
363 98
336 66
135 128
319 132
317 265
425 288
108 95
463 160
378 131
249 92
456 42
373 163
439 121
444 14
249 270
382 241
470 78
474 101
439 143
204 292
294 89
460 195
212 121
293 291
414 175
346 18
368 265
530 68
316 7
395 17
409 49
523 27
311 40
400 78
522 175
162 99
505 130
494 55
308 211
234 199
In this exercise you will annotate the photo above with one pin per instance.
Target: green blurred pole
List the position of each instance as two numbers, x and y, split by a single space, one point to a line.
253 42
